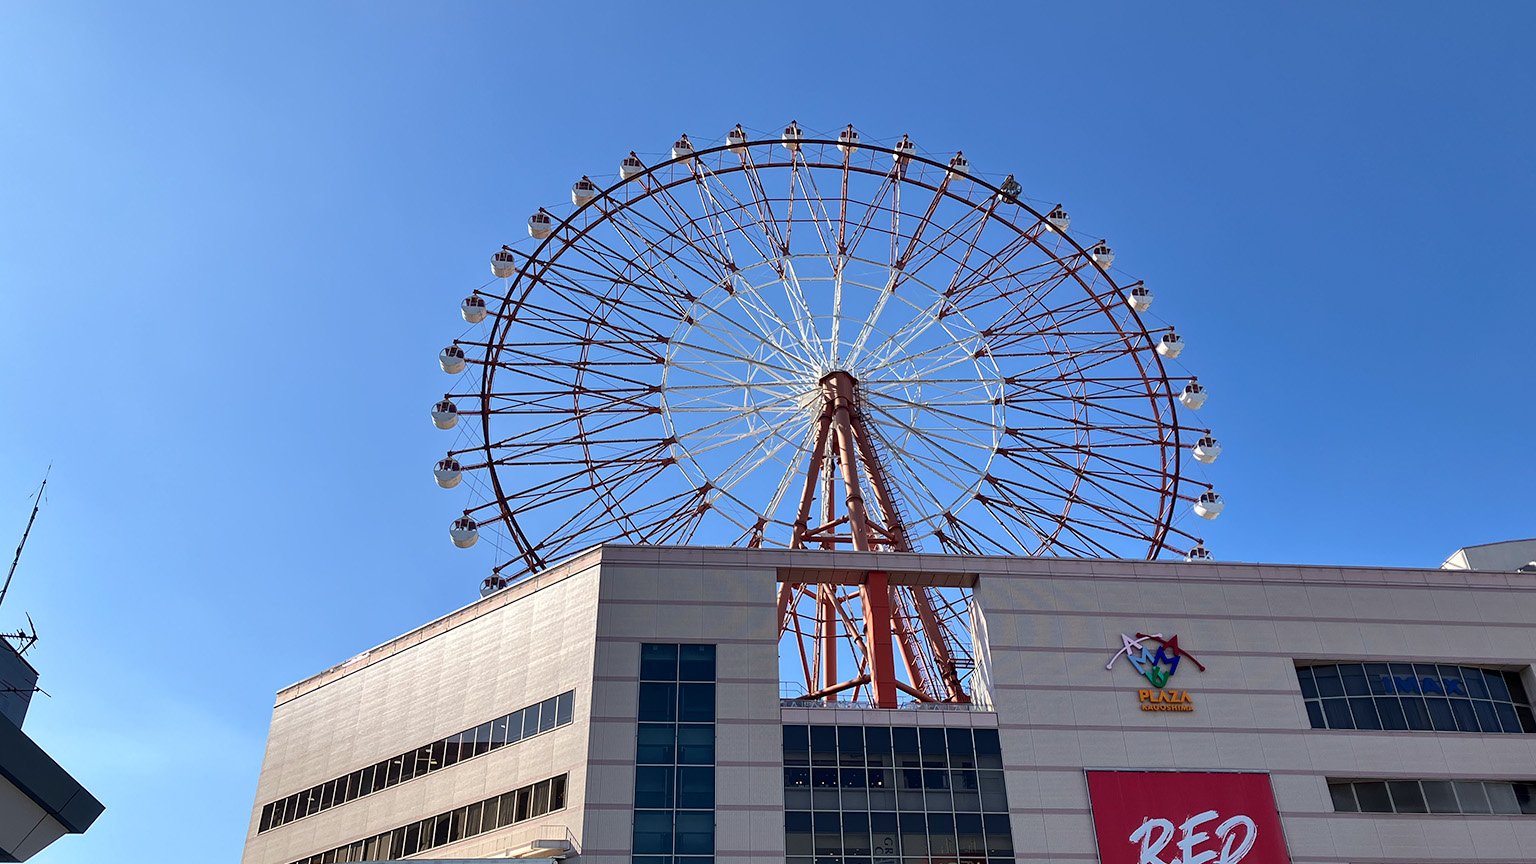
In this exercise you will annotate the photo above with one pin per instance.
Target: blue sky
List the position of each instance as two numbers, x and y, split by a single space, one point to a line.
233 238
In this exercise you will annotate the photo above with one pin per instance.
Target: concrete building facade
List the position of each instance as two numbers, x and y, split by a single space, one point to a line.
625 706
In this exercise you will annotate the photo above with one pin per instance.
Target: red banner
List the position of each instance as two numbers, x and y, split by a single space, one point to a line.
1185 817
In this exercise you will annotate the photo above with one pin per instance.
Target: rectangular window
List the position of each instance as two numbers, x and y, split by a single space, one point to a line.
674 774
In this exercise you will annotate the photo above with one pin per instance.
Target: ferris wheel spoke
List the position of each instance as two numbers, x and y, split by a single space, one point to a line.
1077 499
964 284
796 295
955 233
688 229
723 439
939 466
721 214
735 417
815 201
747 464
760 310
786 481
653 258
761 205
743 359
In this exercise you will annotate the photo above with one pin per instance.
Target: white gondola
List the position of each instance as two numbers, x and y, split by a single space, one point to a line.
848 139
905 150
451 359
503 264
736 139
792 137
540 225
464 532
472 309
1010 190
1206 450
583 191
493 583
1194 395
1209 505
1102 255
960 165
445 415
682 148
1139 298
630 167
1057 220
1198 555
447 472
1170 346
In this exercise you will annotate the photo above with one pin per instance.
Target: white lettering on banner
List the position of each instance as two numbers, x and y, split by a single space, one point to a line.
1154 835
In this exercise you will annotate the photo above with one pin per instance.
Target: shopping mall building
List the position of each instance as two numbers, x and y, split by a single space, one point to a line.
625 706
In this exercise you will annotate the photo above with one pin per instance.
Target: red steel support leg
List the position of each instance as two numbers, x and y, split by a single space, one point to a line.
877 625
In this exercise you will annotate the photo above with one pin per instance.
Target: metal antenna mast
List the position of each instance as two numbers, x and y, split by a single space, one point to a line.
37 501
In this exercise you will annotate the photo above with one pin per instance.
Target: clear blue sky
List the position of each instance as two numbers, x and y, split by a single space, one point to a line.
234 236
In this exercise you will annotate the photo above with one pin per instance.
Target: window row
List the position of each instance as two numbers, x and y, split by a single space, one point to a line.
677 662
1416 696
888 835
491 735
519 805
1500 797
887 746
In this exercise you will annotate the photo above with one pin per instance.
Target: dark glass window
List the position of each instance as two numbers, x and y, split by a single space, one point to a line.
696 788
658 663
696 663
1373 797
1415 697
658 702
1343 797
653 786
696 703
696 744
1440 796
653 832
675 775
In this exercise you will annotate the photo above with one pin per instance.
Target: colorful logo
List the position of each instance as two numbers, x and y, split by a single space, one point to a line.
1156 657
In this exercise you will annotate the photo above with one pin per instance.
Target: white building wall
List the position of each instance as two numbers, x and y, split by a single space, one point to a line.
517 648
1053 630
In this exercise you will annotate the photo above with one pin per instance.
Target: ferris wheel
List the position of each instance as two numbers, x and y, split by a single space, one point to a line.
820 342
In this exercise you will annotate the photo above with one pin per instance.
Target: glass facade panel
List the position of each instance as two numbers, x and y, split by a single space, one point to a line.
918 797
1420 697
674 773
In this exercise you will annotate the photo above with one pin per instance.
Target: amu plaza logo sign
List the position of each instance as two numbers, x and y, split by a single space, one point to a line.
1158 667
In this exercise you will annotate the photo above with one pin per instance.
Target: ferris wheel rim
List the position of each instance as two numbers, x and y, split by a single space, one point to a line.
561 238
